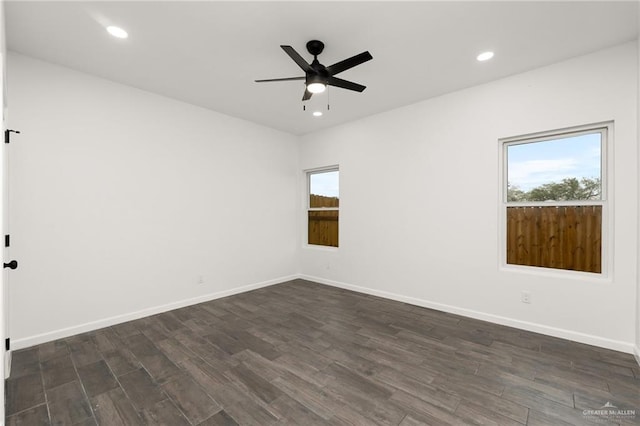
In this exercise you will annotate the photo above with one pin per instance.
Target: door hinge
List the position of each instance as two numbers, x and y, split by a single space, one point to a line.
7 135
7 241
7 343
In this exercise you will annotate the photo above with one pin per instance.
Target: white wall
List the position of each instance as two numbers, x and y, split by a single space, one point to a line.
637 348
120 199
420 200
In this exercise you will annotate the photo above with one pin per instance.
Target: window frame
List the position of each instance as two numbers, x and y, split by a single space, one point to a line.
605 201
308 173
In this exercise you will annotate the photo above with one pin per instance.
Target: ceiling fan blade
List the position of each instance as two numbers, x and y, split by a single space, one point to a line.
338 82
349 63
307 95
297 58
280 79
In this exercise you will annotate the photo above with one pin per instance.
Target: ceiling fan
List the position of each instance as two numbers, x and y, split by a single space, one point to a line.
317 76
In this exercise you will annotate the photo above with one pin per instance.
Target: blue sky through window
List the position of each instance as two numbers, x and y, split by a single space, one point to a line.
533 164
325 183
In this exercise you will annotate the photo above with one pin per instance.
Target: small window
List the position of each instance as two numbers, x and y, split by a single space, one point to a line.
323 207
554 195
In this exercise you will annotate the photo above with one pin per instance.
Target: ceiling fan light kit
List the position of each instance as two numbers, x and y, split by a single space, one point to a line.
316 87
317 77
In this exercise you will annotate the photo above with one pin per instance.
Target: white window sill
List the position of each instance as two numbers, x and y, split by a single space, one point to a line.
557 273
320 248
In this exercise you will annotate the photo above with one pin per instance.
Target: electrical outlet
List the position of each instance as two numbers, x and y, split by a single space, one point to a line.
200 279
526 297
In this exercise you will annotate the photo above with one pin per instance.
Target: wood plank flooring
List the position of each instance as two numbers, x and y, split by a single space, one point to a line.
302 353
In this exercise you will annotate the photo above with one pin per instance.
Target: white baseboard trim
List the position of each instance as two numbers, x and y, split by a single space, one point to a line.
37 339
510 322
588 339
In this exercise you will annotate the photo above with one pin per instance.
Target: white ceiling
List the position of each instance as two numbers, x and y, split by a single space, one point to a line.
209 53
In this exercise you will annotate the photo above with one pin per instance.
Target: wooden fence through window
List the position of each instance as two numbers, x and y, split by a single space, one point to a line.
561 237
323 225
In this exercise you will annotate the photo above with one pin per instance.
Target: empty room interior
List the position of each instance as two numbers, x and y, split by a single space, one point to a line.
320 212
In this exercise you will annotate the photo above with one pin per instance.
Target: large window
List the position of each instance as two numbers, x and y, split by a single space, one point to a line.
323 204
554 196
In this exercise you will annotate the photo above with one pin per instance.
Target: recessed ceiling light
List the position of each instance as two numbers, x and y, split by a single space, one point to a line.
484 56
317 113
117 32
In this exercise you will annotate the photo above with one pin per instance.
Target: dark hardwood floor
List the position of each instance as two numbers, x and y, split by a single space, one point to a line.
302 353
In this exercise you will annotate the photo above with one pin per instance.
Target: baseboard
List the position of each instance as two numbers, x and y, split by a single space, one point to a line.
106 322
510 322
